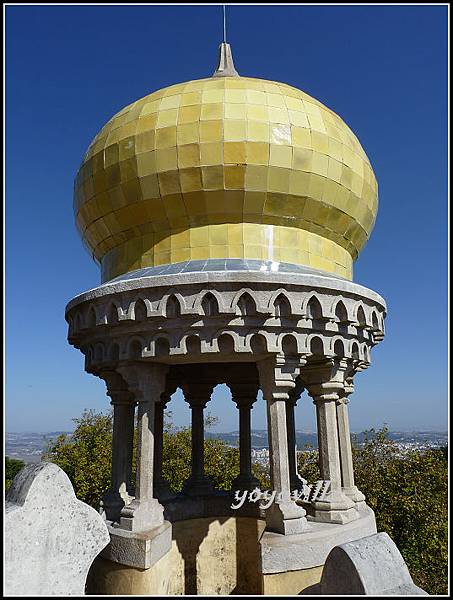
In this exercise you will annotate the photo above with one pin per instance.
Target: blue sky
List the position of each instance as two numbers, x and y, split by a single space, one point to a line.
382 68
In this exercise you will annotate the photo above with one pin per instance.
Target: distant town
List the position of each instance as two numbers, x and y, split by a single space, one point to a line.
29 447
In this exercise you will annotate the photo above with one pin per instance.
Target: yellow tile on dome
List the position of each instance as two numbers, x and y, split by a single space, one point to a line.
199 236
150 107
174 206
170 102
236 96
299 119
211 153
149 186
187 133
212 177
235 130
256 112
280 134
211 112
146 123
253 201
189 155
235 251
234 152
316 123
294 104
167 118
258 132
281 156
169 183
278 180
212 96
190 98
234 177
190 179
275 100
166 159
145 141
166 137
320 164
334 170
218 234
235 234
146 163
299 183
211 131
256 97
257 153
278 115
189 114
235 111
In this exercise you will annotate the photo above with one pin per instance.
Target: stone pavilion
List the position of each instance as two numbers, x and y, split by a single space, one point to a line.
225 214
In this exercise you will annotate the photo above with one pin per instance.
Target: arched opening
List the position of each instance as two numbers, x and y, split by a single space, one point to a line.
173 308
99 353
282 306
289 345
193 345
114 352
209 305
226 344
246 305
338 349
140 311
258 343
316 346
361 320
112 315
91 318
341 314
314 309
375 321
355 351
135 350
162 347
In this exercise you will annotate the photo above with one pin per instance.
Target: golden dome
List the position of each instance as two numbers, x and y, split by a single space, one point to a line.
225 167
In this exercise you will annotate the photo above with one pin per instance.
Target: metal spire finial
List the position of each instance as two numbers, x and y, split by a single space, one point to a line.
225 66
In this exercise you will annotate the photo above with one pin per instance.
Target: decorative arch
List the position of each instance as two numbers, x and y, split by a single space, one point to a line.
360 316
172 307
282 306
355 353
226 343
316 345
91 318
112 313
246 305
197 307
313 308
192 344
209 305
341 314
135 348
140 310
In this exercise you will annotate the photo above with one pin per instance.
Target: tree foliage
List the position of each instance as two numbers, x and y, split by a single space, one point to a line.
408 493
12 468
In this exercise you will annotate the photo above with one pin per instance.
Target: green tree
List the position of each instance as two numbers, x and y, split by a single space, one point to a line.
12 468
86 455
408 493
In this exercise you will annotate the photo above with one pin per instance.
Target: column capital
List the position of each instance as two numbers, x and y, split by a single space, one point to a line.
116 387
278 375
145 381
327 380
243 394
197 394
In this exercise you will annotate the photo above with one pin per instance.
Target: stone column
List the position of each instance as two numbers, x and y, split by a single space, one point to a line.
336 507
296 482
277 378
122 443
197 395
344 439
147 382
244 395
161 489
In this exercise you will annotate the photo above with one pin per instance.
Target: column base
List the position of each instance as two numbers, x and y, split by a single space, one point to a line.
198 486
336 507
356 496
140 550
286 518
142 515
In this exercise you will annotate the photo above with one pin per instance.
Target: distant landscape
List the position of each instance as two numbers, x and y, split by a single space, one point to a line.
30 446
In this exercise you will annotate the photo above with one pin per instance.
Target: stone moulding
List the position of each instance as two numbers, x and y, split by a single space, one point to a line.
238 316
